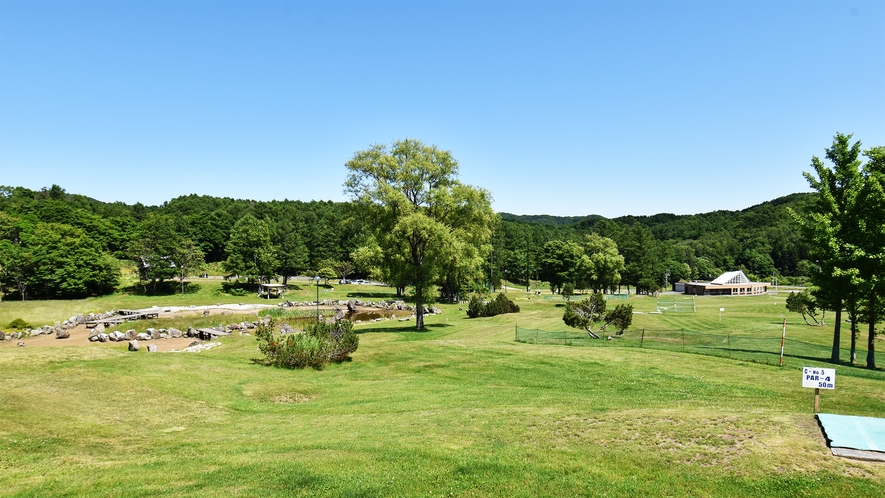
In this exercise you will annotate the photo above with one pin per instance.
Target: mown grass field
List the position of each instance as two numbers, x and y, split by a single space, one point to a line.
459 410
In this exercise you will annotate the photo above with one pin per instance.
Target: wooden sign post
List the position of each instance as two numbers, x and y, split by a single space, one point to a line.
818 378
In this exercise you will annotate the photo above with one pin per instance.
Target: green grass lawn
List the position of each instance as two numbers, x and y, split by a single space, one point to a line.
459 410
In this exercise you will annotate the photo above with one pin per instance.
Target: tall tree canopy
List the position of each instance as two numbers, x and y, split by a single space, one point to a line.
846 228
424 221
251 252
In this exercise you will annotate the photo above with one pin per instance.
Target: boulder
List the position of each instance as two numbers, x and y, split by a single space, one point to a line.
144 336
191 332
98 328
21 344
174 333
117 336
286 329
152 348
103 337
195 343
155 334
62 334
130 335
93 338
133 345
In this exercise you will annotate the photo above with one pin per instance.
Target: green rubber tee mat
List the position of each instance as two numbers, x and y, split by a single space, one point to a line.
859 433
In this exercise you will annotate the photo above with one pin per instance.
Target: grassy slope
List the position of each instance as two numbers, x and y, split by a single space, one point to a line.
459 410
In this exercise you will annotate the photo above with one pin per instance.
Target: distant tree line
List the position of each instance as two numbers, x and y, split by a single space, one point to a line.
262 240
59 245
764 241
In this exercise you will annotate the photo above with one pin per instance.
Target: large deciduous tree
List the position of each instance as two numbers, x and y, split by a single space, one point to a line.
187 256
251 251
422 219
152 245
560 263
604 264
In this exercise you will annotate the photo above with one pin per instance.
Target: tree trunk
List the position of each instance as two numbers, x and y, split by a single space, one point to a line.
853 353
837 334
419 315
871 339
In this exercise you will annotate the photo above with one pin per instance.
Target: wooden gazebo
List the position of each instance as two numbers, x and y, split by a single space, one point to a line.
272 291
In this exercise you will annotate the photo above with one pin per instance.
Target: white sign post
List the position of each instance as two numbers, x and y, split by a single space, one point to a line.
818 378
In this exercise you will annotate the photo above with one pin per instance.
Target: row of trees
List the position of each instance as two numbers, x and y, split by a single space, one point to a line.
595 264
327 238
53 260
845 226
251 239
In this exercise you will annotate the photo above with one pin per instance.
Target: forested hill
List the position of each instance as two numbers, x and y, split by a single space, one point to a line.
546 219
49 237
662 224
762 240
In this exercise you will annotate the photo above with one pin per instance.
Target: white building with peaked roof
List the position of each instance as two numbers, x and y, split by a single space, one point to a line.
731 283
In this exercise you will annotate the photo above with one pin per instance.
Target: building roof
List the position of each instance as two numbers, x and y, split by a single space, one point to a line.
731 277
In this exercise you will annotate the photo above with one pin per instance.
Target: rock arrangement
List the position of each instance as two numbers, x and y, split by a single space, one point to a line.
60 329
197 347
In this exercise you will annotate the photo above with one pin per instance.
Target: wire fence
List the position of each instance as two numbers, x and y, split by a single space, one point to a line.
756 349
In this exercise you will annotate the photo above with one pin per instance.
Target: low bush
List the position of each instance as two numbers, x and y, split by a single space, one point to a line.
236 288
319 344
19 324
498 306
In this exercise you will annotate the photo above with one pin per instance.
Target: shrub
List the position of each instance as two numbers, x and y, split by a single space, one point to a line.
319 344
237 288
474 308
498 306
19 324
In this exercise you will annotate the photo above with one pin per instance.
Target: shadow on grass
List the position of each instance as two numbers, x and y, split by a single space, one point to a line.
379 295
774 355
165 288
407 327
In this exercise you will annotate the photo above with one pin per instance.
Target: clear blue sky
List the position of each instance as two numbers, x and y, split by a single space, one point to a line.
565 108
